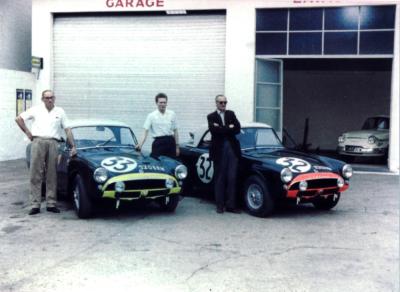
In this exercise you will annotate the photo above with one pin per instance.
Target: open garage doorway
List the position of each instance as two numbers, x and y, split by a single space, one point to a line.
324 98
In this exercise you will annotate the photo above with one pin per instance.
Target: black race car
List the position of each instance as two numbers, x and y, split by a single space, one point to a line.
108 167
269 173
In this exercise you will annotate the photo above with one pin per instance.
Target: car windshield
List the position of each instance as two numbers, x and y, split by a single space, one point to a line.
103 136
258 137
376 123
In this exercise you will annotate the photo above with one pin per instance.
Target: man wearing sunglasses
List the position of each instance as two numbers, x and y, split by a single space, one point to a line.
47 122
225 153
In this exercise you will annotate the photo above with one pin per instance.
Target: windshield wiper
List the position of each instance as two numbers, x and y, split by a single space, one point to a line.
104 143
261 147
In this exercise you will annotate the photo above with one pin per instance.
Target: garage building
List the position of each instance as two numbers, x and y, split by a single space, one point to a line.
293 64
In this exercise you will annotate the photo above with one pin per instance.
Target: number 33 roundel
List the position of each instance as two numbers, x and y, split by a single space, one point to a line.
205 168
119 164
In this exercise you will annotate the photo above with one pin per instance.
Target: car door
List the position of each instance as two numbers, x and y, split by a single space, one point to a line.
200 166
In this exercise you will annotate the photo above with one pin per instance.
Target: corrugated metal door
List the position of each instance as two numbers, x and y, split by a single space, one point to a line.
113 66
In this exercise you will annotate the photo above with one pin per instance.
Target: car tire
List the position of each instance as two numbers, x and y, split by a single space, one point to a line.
82 204
169 203
326 203
257 197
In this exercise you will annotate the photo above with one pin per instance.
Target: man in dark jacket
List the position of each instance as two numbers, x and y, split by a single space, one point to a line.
225 153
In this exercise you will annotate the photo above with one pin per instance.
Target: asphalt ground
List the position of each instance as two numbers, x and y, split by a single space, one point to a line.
354 247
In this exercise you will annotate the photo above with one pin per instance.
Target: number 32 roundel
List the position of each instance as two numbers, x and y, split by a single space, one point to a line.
205 168
295 164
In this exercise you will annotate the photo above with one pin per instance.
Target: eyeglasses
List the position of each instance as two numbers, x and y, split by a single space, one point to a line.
48 97
222 102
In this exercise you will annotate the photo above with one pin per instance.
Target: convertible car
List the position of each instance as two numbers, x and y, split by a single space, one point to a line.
269 173
108 167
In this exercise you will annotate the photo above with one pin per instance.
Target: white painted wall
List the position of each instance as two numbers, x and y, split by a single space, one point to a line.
394 106
13 141
15 35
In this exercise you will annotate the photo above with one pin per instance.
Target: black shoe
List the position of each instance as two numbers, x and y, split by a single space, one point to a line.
233 210
53 209
34 211
220 210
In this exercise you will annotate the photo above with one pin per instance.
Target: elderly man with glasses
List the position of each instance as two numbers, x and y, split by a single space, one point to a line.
47 122
225 153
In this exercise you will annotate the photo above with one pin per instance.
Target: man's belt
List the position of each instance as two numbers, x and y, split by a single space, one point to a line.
163 137
46 138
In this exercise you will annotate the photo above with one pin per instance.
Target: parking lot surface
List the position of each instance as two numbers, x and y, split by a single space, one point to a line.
353 247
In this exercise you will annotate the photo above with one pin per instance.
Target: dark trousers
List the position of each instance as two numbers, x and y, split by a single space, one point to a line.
164 145
225 178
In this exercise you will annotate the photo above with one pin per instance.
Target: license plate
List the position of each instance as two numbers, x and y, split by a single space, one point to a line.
353 149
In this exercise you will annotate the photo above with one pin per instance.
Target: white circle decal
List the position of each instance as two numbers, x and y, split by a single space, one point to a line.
119 164
294 164
205 168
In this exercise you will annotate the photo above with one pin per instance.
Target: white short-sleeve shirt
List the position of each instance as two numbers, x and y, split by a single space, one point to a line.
46 124
161 124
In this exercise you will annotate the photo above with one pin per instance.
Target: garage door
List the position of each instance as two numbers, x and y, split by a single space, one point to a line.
113 66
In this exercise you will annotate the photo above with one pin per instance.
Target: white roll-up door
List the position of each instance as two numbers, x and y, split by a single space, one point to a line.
113 66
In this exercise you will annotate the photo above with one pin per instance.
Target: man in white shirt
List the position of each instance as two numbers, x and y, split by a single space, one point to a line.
47 122
163 128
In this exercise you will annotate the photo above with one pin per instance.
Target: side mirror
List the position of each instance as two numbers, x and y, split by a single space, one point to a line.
191 140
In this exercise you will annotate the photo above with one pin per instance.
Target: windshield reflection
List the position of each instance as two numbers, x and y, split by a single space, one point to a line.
251 138
103 136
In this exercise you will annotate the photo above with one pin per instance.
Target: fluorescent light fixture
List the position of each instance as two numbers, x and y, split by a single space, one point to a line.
175 12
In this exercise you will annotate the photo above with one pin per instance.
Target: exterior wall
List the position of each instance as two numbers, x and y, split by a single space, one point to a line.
15 34
394 106
240 39
13 141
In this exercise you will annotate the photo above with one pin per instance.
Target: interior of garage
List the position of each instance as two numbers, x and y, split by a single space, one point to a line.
325 97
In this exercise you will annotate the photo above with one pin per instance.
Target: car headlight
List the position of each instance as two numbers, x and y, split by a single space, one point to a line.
340 182
100 175
341 139
119 186
169 183
347 171
181 171
303 185
286 175
372 139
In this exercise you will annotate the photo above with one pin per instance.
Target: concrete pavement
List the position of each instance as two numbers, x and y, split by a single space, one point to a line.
354 247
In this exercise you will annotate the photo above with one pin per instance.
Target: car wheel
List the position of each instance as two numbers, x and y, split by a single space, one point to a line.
82 204
257 197
326 203
169 203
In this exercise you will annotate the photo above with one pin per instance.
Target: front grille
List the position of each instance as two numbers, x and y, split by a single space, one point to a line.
317 184
150 194
141 184
319 193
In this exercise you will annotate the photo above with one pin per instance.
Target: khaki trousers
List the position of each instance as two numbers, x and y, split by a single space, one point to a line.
44 153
